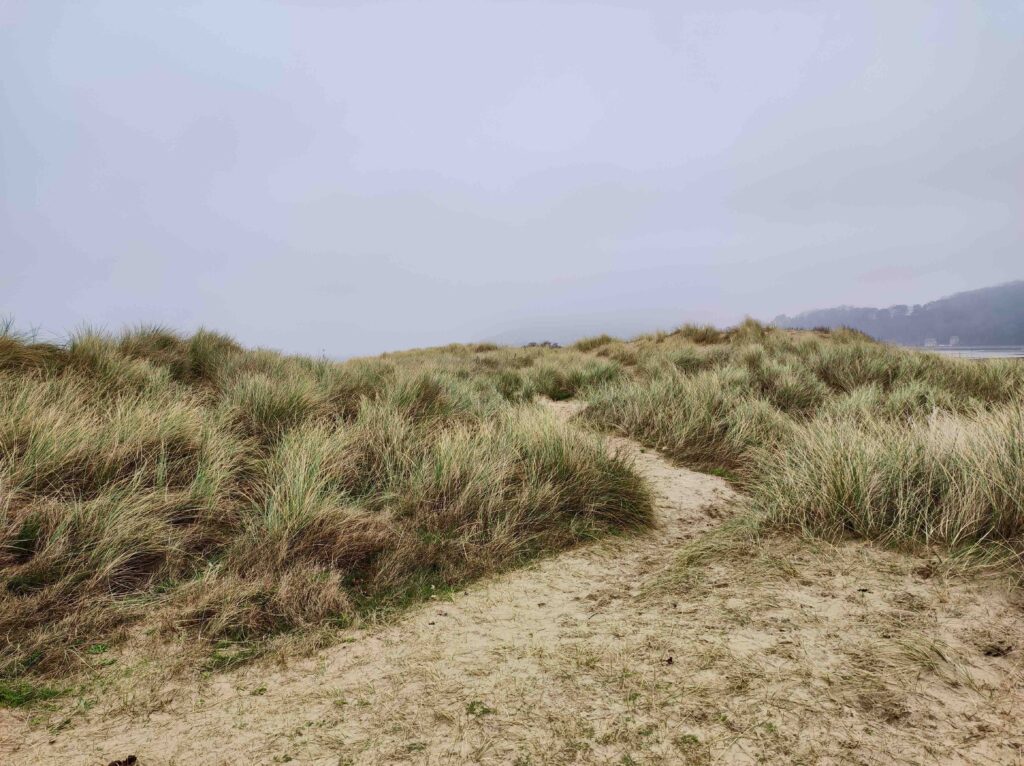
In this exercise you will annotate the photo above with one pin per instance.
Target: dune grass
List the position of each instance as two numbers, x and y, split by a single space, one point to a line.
833 433
230 495
240 494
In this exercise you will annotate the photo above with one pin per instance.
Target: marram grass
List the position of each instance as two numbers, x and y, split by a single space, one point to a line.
225 494
833 433
239 494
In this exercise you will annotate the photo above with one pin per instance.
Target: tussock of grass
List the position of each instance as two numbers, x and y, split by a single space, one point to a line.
589 344
942 480
833 432
707 420
239 494
564 381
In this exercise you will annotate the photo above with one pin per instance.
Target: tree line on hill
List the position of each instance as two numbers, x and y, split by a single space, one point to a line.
991 316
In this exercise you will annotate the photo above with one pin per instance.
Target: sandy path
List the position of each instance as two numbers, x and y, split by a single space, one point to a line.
772 654
417 681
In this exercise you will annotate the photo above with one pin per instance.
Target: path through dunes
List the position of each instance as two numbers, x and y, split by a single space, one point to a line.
786 651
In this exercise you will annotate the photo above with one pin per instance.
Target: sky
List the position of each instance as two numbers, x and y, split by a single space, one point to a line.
346 178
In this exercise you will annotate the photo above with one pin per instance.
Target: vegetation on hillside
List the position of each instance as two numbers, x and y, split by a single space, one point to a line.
231 495
992 316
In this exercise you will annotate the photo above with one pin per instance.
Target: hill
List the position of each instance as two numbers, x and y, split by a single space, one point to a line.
991 316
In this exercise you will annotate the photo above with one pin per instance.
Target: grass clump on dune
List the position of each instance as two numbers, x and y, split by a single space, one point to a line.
942 480
237 494
594 342
832 432
707 420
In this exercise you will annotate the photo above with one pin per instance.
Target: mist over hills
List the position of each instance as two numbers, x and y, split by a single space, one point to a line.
990 316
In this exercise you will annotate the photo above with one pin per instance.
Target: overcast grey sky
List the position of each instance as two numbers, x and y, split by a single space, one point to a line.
348 178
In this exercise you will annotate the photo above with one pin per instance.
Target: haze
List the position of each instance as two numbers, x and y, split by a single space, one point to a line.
348 178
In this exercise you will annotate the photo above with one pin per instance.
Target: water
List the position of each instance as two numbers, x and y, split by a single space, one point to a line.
981 352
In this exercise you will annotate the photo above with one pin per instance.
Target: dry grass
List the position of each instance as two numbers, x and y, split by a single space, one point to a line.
834 433
236 494
756 647
697 643
239 494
